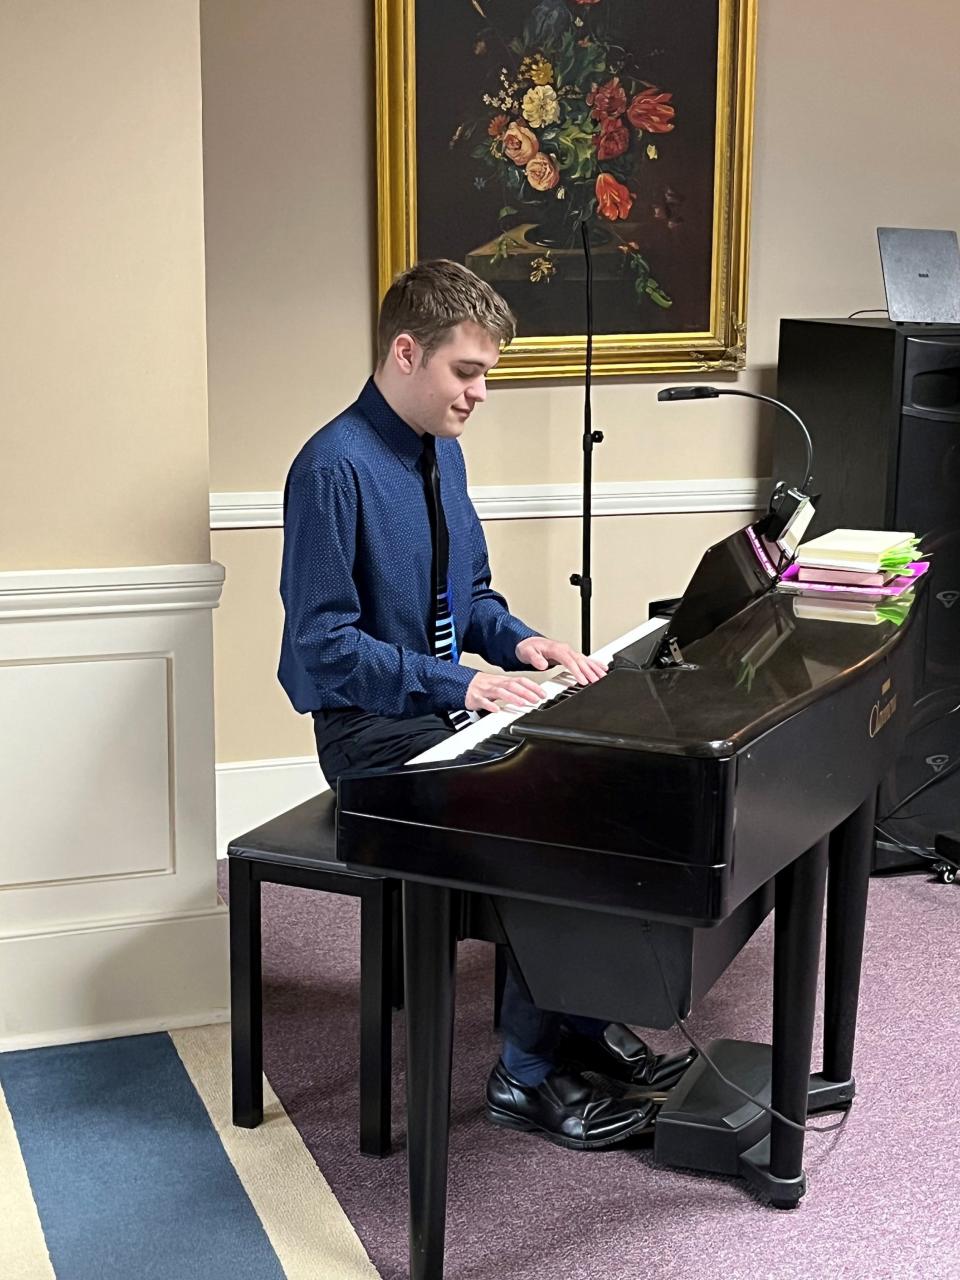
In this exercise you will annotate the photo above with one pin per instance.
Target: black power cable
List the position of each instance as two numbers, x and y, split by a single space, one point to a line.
924 786
907 848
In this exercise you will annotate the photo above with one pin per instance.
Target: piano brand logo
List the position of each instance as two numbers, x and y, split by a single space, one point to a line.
937 762
882 711
948 598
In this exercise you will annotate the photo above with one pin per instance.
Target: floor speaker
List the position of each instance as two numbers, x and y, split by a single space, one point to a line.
882 403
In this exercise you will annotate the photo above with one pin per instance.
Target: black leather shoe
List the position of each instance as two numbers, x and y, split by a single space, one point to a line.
566 1109
620 1055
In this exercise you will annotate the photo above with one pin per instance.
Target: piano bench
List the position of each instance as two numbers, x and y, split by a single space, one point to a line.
298 848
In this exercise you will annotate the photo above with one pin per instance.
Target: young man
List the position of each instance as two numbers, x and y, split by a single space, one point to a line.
385 580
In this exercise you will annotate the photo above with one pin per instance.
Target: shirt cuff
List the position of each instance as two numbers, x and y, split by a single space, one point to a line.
450 689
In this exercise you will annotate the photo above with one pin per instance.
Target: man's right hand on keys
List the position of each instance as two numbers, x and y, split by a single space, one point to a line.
489 692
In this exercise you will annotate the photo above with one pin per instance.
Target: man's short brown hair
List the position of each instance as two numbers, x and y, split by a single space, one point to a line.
430 298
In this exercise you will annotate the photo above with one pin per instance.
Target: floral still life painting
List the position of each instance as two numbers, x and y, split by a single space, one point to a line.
524 122
567 139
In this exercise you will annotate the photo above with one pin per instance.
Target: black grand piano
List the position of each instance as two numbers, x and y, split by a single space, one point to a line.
625 839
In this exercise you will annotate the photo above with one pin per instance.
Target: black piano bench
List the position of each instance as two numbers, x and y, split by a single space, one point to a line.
298 848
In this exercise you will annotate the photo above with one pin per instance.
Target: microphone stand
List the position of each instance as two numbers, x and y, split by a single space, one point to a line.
583 579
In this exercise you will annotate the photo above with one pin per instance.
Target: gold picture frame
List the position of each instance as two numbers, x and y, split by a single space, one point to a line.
413 218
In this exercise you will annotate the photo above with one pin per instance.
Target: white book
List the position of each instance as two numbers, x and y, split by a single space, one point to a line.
837 611
856 549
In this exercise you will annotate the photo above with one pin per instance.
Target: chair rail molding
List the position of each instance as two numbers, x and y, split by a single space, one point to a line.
110 922
264 510
41 593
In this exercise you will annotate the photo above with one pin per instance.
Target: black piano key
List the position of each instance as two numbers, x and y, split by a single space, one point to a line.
483 751
492 748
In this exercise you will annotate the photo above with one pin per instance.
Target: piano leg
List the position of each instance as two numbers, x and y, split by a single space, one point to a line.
775 1165
430 944
851 849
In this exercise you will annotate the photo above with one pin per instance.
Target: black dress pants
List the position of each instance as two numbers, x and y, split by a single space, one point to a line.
355 739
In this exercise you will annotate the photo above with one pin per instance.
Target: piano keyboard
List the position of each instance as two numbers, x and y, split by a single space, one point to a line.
481 733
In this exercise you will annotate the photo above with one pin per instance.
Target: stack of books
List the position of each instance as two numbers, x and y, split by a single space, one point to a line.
863 575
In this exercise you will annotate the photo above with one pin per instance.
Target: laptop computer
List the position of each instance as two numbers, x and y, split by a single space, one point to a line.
921 275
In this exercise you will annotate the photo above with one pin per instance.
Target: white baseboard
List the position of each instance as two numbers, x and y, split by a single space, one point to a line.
252 791
96 981
114 1030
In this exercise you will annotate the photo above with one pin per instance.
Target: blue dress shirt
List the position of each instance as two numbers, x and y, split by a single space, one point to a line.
356 576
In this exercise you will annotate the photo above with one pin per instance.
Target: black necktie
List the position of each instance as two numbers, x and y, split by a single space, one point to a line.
441 620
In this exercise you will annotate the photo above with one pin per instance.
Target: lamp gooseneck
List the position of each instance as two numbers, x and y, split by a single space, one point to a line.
710 393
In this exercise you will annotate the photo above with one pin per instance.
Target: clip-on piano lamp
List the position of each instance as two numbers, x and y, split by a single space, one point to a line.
791 510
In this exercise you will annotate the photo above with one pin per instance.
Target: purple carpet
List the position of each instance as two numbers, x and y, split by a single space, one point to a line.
883 1191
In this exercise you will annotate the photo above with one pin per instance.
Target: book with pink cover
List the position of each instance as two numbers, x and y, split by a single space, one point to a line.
846 577
792 583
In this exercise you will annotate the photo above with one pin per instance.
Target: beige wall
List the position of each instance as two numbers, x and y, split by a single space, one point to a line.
288 176
855 127
102 347
254 719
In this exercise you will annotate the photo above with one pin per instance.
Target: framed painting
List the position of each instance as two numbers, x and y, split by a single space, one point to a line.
503 126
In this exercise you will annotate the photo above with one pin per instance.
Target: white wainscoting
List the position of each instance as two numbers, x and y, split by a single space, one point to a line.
539 501
110 921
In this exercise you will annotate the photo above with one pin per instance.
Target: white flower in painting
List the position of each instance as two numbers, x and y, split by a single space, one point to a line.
540 106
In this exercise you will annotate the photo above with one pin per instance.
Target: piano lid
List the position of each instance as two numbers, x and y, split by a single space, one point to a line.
756 669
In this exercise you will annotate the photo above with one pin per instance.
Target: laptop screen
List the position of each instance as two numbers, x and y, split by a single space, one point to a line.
921 275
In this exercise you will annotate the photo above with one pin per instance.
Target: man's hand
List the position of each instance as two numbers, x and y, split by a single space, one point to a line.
487 692
537 651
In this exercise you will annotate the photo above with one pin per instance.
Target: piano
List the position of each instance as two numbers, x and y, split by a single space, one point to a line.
626 838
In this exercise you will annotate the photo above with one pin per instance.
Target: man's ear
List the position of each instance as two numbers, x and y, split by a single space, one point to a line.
406 352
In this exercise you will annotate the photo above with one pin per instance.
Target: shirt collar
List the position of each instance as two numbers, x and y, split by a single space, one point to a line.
389 426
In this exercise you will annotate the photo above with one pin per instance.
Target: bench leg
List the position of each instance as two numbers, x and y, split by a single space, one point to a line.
376 994
246 1005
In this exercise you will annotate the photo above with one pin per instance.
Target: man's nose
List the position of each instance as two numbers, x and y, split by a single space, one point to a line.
478 390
